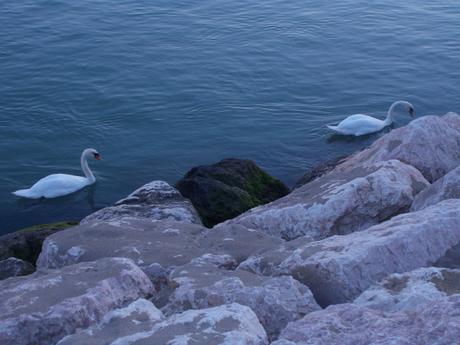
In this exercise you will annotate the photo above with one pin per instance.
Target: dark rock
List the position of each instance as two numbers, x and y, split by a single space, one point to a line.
13 267
318 171
26 244
228 188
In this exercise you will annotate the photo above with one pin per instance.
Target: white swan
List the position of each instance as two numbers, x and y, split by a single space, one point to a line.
55 185
360 124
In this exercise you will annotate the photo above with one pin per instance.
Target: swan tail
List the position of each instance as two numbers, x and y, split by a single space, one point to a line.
25 193
334 128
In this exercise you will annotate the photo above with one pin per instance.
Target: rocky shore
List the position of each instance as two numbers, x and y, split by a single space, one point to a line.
362 251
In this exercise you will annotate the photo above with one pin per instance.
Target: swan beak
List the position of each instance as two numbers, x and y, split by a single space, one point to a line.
412 112
97 157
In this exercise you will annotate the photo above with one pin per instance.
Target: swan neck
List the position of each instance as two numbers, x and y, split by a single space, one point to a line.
390 115
86 170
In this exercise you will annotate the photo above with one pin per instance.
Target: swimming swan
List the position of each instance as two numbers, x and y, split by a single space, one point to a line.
360 124
55 185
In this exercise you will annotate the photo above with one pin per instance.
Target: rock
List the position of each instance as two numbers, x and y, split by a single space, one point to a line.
275 301
228 188
451 258
318 171
50 304
350 324
339 268
431 144
156 200
26 244
339 202
13 267
139 317
408 291
447 187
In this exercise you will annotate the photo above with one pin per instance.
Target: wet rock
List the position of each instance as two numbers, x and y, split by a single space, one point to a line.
447 187
339 268
430 143
137 318
156 200
228 188
50 304
318 171
339 202
275 301
350 324
13 267
26 244
408 291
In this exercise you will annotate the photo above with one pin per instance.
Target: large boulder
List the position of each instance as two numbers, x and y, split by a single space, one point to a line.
156 200
408 291
339 202
228 188
339 268
447 187
13 267
276 301
26 244
349 324
431 144
42 308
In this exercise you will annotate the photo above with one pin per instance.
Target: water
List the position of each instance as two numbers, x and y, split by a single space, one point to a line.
161 86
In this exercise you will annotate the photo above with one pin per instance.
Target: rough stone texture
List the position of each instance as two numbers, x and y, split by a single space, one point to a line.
228 188
138 317
50 304
408 291
13 267
431 144
447 187
156 200
451 258
339 268
349 324
275 301
339 203
318 171
26 244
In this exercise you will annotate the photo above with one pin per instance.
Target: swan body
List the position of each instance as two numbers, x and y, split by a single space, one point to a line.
56 185
360 124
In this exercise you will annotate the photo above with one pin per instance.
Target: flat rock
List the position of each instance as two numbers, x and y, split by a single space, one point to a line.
339 202
411 290
349 324
156 200
42 308
13 267
276 301
339 268
447 187
430 143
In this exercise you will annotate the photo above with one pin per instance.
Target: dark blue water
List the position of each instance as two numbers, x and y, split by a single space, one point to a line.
161 86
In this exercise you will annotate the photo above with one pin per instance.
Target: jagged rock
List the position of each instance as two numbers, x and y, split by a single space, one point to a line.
339 268
408 291
228 188
431 144
138 317
42 308
13 267
349 324
275 301
156 200
339 203
447 187
26 244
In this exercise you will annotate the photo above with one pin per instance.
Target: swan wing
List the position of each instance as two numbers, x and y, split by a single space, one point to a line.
56 185
360 124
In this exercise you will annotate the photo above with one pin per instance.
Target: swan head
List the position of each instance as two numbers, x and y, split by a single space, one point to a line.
92 153
410 109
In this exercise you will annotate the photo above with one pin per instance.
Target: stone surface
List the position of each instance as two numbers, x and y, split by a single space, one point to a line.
430 143
339 203
50 304
339 268
276 301
156 200
349 324
318 171
13 267
408 291
451 259
138 317
447 187
228 188
26 244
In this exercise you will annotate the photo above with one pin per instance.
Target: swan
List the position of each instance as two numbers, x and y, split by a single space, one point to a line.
55 185
360 124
